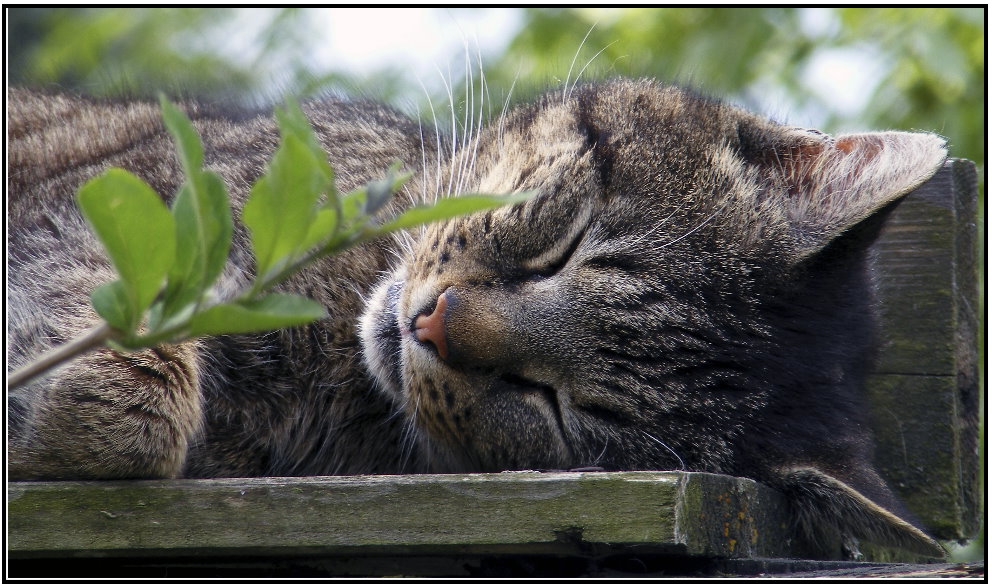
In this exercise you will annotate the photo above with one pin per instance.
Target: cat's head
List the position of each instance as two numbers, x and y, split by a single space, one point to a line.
630 314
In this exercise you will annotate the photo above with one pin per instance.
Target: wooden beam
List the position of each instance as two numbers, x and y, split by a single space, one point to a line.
519 512
925 389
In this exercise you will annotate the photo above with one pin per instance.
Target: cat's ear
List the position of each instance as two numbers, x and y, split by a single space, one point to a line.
824 186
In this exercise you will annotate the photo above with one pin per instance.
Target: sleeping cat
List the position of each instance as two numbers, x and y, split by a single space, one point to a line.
687 290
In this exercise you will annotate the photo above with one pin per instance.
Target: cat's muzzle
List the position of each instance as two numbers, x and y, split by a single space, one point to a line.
382 338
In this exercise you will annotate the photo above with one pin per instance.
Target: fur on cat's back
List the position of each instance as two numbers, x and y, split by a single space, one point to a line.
686 290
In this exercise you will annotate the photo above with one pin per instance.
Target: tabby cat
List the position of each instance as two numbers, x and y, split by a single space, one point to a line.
687 290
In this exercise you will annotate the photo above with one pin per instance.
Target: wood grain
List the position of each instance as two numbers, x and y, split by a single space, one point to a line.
925 389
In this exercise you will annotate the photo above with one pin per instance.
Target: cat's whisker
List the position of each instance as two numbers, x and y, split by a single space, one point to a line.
483 94
437 150
588 63
664 445
454 125
408 440
602 453
485 87
506 105
468 131
469 116
413 437
565 91
698 226
468 121
403 248
423 157
635 243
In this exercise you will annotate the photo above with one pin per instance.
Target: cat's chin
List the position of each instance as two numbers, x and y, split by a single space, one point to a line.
382 338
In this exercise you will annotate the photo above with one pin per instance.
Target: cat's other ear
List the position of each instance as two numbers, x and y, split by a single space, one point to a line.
824 186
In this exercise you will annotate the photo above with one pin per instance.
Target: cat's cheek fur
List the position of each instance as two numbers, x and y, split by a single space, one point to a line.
381 335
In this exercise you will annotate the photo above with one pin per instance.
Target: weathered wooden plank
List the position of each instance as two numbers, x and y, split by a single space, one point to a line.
921 453
525 512
925 390
925 263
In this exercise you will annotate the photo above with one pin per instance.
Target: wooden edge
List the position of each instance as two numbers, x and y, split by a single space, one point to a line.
969 345
686 514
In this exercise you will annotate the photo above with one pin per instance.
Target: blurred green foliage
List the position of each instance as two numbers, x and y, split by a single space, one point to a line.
113 51
928 63
213 53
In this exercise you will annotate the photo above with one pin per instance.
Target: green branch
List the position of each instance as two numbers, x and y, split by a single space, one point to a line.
90 340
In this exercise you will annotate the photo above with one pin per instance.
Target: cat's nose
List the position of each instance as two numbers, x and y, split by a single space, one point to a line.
430 328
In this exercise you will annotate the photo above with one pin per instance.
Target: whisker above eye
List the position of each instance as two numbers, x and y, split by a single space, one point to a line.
588 63
697 227
565 90
439 147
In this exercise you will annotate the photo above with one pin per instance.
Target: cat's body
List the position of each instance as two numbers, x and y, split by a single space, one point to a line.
282 404
686 291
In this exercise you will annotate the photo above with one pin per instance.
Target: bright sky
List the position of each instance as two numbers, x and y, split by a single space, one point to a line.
422 43
422 39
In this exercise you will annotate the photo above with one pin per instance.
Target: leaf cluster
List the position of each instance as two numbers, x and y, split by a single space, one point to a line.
169 260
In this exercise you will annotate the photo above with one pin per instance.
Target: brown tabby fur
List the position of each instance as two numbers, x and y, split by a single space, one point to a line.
686 291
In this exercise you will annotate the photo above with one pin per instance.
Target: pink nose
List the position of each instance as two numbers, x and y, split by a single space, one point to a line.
430 328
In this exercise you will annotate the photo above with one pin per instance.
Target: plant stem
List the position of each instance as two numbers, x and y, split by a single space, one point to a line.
87 341
335 245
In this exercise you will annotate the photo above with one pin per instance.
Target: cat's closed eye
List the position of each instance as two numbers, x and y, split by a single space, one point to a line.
560 252
551 264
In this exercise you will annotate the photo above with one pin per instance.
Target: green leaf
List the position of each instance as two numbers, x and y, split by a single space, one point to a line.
293 122
204 229
111 303
203 218
187 140
269 313
138 232
451 207
378 193
282 212
324 227
283 203
353 206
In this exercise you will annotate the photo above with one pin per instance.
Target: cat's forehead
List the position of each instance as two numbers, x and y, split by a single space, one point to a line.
635 125
625 106
648 115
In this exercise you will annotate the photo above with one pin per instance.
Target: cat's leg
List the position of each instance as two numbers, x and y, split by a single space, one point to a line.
824 505
104 414
107 414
